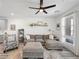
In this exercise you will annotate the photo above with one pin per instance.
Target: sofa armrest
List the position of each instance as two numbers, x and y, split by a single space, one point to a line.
69 46
53 44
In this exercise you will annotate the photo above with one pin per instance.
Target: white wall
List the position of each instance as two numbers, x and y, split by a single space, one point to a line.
77 33
24 23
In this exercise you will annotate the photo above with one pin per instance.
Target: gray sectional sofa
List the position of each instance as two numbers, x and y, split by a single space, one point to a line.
53 44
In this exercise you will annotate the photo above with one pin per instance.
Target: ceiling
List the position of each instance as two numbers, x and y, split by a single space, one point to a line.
19 8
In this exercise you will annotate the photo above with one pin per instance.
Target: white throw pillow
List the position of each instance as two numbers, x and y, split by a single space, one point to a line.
51 36
27 37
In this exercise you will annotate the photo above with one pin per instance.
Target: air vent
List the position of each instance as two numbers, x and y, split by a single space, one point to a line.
57 11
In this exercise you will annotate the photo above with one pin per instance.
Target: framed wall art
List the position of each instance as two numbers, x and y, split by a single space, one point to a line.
12 27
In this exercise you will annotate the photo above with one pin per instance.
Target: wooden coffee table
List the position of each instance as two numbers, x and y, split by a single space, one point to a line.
33 50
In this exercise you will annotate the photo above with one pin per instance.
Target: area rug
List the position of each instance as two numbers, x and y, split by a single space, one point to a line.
67 54
3 56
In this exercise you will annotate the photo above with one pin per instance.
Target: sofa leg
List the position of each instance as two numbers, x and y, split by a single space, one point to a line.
35 58
25 58
4 51
40 58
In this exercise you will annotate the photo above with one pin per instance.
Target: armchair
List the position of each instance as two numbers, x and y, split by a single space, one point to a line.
10 42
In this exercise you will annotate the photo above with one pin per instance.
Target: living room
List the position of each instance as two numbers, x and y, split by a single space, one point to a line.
39 33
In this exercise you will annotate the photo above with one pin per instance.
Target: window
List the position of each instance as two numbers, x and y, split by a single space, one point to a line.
63 29
67 28
72 27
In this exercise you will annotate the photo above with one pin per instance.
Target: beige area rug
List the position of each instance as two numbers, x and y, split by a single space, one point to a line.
15 54
3 56
1 48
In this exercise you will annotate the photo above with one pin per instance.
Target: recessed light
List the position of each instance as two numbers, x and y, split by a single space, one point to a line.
12 14
41 10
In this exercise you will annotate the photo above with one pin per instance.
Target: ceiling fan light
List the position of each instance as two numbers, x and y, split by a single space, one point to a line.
41 10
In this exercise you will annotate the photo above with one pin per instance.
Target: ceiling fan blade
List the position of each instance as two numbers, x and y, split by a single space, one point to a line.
48 7
41 3
45 11
37 12
34 8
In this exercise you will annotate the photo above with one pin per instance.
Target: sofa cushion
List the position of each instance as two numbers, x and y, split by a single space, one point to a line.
30 40
39 40
46 37
53 44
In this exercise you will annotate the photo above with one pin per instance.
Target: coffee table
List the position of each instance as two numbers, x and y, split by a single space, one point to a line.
33 50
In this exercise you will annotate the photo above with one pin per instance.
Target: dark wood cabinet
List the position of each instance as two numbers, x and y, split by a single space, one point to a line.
21 35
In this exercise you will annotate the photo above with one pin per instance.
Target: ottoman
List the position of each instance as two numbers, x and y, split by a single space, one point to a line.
33 50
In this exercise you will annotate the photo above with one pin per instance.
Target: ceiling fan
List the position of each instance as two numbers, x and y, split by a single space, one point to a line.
41 8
